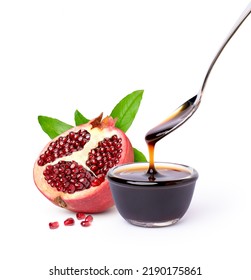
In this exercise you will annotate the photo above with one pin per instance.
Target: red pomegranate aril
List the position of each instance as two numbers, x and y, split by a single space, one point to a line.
67 171
89 218
53 225
80 215
79 186
71 135
75 170
80 175
85 223
94 168
69 222
73 165
71 189
95 182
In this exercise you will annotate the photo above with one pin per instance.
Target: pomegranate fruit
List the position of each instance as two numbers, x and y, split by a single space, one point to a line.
71 169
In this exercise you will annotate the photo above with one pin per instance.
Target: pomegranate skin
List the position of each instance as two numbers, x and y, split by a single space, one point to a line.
93 199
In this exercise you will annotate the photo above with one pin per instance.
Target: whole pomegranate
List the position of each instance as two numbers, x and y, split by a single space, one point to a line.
71 169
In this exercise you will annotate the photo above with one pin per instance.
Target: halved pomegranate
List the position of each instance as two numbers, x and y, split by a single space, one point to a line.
71 169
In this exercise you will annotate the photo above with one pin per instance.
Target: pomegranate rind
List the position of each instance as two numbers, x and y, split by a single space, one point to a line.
95 199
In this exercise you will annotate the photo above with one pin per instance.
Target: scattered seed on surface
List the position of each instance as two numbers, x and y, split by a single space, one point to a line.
53 225
85 223
69 222
89 218
80 215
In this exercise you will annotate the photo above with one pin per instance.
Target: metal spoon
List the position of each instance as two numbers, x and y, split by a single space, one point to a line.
186 110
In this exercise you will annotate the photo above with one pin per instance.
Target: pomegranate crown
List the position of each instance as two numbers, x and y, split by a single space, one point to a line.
108 121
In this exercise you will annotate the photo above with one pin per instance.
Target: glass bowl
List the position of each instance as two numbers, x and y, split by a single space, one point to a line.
152 202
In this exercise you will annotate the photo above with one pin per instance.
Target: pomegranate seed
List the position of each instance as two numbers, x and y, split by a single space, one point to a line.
80 215
94 168
85 223
53 225
67 171
71 189
69 222
89 218
95 182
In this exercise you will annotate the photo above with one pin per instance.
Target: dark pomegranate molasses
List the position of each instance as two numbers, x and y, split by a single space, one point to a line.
152 203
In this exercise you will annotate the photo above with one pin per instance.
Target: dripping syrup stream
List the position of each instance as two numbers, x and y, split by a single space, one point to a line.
151 170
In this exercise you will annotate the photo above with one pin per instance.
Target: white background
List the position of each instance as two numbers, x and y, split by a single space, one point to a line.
59 56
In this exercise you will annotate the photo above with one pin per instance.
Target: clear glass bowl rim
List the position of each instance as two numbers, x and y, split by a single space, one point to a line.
111 175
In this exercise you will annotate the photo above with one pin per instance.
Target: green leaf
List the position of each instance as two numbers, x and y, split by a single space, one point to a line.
53 127
126 110
139 156
79 118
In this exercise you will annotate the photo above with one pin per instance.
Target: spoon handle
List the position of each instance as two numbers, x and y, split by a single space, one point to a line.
238 23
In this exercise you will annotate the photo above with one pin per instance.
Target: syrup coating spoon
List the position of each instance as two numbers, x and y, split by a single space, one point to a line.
187 109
